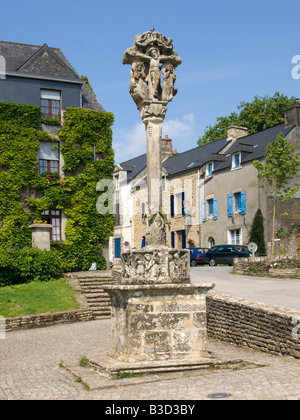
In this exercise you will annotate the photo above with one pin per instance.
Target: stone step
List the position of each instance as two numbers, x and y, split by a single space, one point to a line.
90 286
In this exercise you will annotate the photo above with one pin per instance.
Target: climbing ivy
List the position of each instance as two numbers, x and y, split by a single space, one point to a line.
86 147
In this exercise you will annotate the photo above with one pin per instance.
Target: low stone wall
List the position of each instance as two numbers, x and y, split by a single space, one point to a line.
264 266
258 326
47 319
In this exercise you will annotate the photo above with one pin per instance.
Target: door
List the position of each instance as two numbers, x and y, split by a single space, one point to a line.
117 247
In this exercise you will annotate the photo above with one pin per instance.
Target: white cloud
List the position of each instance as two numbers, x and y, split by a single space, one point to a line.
177 129
132 142
129 143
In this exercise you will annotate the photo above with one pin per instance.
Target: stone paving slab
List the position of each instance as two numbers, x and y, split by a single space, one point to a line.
30 369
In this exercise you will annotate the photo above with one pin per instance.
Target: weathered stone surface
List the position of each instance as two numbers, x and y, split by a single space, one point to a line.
158 322
154 265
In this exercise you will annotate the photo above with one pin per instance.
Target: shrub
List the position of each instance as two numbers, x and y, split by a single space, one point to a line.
27 264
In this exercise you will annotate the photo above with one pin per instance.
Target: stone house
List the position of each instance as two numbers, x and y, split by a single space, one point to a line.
210 193
42 76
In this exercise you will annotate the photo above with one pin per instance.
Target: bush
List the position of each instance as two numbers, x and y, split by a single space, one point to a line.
26 265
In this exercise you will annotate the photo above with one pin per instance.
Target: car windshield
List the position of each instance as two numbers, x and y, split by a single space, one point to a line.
202 250
242 248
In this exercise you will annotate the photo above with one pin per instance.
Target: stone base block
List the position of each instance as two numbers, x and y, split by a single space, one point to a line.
162 322
114 369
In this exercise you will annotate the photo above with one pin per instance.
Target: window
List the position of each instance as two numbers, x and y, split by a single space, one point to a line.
163 183
209 169
237 199
235 237
210 204
177 204
212 209
211 242
236 160
48 157
236 203
50 102
143 210
54 218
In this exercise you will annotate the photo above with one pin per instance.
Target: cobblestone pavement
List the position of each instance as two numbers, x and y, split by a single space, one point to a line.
30 359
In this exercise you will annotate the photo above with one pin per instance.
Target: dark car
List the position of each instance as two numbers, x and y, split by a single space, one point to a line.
225 254
197 256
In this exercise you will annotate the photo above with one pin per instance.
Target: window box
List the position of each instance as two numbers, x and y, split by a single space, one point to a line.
51 120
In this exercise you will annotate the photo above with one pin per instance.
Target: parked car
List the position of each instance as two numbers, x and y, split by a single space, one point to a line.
225 254
197 256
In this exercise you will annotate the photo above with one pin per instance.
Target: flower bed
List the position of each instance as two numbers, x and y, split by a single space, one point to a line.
279 267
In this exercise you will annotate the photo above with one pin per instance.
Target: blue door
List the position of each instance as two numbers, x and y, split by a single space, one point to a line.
117 247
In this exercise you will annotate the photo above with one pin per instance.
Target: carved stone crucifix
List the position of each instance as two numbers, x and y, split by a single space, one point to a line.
150 56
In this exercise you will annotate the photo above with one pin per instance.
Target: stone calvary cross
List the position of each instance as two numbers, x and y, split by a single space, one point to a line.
153 62
158 316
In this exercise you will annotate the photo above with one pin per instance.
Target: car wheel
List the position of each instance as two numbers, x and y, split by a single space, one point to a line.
193 263
213 262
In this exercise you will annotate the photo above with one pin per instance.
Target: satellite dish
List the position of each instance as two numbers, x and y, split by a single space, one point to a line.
252 246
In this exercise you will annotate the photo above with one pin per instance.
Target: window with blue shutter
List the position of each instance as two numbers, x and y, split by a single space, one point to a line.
183 236
229 201
243 202
173 239
172 205
203 211
182 203
215 208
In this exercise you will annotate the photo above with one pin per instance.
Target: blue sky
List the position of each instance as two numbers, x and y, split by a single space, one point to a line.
231 51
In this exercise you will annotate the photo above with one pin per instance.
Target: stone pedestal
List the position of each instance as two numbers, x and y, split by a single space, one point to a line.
41 236
160 322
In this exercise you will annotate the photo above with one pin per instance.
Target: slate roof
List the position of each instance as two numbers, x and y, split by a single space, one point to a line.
45 63
252 147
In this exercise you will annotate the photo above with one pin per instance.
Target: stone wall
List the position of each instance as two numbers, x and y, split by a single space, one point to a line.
261 327
47 319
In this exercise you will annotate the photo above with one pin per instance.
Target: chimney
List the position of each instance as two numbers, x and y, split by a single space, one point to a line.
292 115
234 132
166 147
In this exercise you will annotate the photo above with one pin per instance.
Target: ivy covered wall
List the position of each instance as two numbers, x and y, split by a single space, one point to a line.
24 194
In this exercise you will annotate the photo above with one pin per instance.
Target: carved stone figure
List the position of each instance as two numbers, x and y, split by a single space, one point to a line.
155 52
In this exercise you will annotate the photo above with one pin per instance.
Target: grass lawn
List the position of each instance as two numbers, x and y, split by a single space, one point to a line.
37 298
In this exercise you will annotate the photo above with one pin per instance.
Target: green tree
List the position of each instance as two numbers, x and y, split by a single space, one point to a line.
261 113
257 232
277 173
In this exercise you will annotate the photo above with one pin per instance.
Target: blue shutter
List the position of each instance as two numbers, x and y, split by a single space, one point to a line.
172 205
243 202
182 203
173 239
215 208
203 211
117 247
143 242
229 200
183 236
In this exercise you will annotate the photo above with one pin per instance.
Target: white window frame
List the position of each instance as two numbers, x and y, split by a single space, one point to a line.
233 162
232 237
207 172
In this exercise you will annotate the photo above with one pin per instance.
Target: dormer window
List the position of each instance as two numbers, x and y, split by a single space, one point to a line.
236 161
209 169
